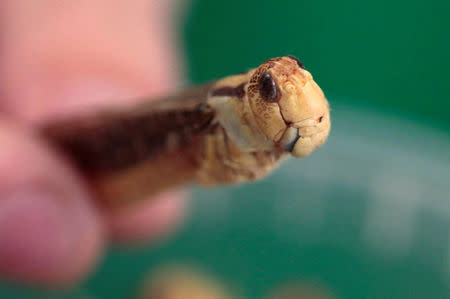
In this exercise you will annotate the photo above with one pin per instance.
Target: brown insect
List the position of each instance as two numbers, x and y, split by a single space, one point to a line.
233 130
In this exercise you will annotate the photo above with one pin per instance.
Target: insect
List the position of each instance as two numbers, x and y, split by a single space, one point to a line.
232 130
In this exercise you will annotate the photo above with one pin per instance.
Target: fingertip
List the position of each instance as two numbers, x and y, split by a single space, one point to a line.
147 220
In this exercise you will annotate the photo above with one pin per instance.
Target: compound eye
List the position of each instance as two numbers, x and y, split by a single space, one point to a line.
268 88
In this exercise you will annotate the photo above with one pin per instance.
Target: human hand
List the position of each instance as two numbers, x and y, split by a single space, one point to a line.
61 57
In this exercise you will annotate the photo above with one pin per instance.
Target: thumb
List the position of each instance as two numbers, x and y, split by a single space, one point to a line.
49 231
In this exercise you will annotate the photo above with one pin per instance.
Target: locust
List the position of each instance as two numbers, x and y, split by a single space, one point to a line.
232 130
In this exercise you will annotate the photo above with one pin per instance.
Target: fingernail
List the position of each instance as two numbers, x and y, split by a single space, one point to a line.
36 235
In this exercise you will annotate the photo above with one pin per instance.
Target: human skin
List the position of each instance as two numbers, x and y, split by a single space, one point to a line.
60 57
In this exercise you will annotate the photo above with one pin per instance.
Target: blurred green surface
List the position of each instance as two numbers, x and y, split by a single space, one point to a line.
368 215
393 54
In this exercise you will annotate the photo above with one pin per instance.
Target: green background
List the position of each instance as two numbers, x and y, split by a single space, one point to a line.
393 54
367 215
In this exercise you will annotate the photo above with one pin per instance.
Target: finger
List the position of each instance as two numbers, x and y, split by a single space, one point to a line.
82 57
147 220
49 231
61 58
